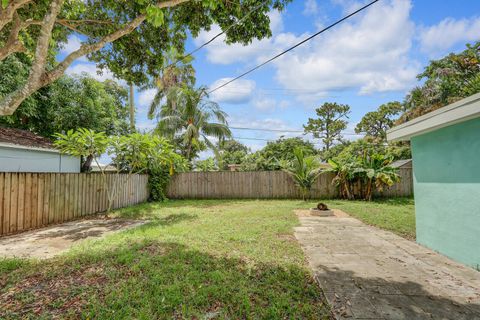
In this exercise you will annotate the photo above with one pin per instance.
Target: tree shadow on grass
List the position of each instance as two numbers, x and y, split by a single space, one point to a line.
354 297
159 280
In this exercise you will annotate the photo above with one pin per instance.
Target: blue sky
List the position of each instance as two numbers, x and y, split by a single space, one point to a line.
368 60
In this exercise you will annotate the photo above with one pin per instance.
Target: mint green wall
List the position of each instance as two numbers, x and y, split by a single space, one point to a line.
446 166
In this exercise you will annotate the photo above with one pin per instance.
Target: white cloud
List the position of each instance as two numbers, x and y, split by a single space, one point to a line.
72 45
437 39
240 91
311 7
90 69
221 53
145 97
370 53
265 104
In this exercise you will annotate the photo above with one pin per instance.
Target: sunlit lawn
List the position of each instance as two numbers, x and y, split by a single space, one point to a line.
194 260
396 215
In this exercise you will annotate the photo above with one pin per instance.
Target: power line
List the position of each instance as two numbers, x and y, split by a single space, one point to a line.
295 46
287 131
218 35
261 129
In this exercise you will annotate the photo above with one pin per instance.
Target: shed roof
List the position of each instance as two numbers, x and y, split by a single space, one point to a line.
460 111
24 138
402 163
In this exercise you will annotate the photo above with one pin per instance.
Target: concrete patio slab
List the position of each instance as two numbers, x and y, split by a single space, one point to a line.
50 241
368 273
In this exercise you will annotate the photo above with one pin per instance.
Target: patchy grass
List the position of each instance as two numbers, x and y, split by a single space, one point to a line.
396 215
193 260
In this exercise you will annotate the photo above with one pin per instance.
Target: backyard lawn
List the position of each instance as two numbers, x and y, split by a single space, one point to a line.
194 259
395 214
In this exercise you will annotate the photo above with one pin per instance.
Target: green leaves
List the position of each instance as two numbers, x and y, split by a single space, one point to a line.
366 173
4 3
155 16
304 170
133 152
329 123
82 142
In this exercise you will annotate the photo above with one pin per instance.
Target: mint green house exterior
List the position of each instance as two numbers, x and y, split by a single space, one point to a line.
446 172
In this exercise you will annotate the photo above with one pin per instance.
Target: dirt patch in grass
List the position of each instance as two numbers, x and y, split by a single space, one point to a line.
58 296
306 213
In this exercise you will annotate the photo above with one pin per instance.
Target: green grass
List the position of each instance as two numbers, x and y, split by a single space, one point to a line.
396 215
193 260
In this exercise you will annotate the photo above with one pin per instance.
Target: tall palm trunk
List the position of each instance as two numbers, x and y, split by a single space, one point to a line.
132 108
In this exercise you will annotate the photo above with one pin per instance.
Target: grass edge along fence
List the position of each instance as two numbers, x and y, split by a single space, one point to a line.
34 200
265 185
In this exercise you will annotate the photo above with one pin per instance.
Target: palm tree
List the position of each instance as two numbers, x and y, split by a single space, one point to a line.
303 170
195 119
177 75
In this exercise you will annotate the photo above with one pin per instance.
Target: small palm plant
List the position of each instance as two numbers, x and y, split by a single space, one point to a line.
304 171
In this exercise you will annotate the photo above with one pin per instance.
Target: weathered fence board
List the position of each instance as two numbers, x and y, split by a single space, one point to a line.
263 185
34 200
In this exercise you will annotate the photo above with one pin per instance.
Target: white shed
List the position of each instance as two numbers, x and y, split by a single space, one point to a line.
24 151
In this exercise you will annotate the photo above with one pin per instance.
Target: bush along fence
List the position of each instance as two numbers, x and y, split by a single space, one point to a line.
34 200
265 185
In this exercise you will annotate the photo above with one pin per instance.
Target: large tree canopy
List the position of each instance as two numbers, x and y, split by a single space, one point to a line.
127 36
329 124
376 123
69 103
447 80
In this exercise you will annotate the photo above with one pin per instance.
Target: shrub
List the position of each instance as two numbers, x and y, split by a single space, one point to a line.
158 180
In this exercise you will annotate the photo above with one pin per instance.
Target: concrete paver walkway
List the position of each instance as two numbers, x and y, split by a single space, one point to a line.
368 273
50 241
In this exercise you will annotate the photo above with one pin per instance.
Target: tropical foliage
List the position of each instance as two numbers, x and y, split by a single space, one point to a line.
195 120
360 177
132 153
128 37
271 156
71 102
177 75
376 123
206 165
446 80
304 170
231 152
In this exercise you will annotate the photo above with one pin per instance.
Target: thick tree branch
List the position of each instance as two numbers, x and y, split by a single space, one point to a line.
6 15
39 78
11 102
13 44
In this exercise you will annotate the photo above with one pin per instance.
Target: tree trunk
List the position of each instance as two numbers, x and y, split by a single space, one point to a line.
39 76
87 164
132 108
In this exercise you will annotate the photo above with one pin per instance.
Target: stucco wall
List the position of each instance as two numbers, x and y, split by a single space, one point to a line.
446 165
24 160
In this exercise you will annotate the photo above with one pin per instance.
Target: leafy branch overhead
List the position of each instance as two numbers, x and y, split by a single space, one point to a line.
129 37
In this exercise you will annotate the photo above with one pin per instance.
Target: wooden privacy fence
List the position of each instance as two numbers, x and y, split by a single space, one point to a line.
262 185
33 200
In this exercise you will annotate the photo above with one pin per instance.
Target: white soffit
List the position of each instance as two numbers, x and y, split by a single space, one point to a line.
460 111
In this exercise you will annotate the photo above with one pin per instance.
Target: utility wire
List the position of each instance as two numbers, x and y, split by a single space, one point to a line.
314 143
295 46
217 35
286 131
